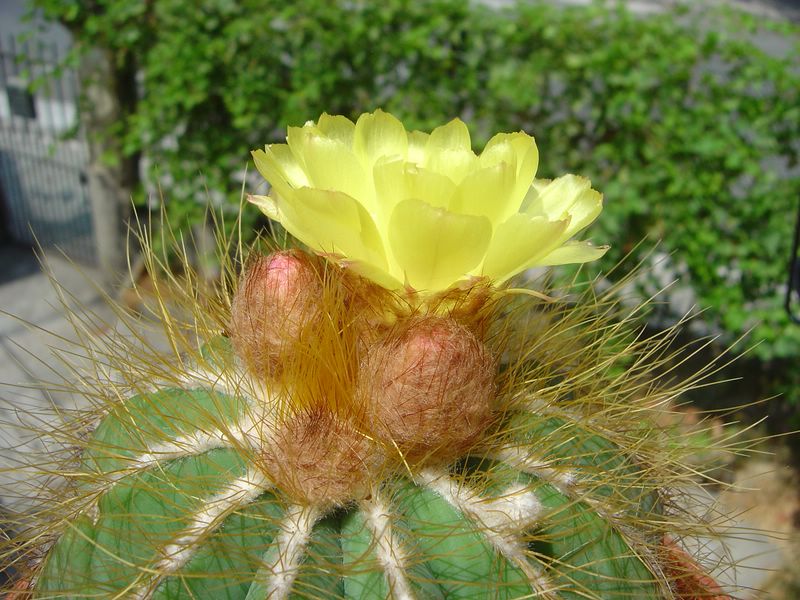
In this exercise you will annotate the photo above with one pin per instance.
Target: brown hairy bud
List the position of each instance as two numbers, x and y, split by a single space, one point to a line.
278 297
428 388
321 459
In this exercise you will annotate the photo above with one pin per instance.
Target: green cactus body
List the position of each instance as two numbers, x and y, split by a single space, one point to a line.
187 513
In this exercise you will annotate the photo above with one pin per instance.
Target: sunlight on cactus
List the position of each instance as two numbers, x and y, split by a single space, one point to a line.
359 424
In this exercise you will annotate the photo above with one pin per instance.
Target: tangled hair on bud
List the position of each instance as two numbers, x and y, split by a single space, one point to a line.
276 300
428 386
318 458
474 304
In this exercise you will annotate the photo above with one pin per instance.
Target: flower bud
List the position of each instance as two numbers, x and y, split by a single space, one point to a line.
428 389
319 458
278 297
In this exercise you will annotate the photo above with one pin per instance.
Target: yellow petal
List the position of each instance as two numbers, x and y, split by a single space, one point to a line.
518 149
529 202
296 139
417 142
454 164
538 185
333 222
397 180
390 185
498 150
337 128
433 247
271 170
527 164
373 273
568 195
287 162
429 186
527 154
556 197
518 243
449 152
271 207
520 145
453 136
266 205
379 134
332 166
584 211
487 192
573 252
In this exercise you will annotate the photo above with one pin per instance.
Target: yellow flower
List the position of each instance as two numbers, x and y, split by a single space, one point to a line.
423 210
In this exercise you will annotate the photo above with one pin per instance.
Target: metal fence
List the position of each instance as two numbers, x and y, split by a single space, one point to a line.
43 156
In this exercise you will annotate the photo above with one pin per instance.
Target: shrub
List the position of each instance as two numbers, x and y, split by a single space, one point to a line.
688 130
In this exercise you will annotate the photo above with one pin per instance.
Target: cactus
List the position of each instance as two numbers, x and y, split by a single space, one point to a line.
340 435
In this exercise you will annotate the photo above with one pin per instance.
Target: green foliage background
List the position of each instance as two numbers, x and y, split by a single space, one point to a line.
686 124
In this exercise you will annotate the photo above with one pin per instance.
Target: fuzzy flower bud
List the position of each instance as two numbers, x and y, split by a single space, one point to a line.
276 300
319 458
428 388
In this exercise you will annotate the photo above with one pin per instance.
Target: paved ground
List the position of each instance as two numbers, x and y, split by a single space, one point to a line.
757 545
32 323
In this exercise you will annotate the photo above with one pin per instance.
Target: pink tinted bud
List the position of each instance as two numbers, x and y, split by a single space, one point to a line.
428 389
277 298
282 275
